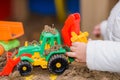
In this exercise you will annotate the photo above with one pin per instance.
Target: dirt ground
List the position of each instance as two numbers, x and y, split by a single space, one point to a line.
76 71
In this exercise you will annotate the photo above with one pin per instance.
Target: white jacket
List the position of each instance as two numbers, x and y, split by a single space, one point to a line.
105 55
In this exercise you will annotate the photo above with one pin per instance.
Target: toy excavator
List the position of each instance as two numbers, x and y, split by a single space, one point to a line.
9 31
48 52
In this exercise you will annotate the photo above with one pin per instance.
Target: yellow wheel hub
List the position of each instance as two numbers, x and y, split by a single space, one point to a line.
58 65
24 68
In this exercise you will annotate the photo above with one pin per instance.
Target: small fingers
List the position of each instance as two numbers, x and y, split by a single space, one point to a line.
89 39
77 60
75 44
72 48
70 54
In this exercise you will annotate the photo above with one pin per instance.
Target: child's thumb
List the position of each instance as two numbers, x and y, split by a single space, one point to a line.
70 54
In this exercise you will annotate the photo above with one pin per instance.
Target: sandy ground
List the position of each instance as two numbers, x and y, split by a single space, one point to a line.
76 71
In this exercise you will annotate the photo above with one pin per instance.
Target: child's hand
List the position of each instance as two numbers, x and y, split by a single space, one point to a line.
78 51
97 31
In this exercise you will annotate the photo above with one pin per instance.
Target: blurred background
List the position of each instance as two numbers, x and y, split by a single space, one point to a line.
36 13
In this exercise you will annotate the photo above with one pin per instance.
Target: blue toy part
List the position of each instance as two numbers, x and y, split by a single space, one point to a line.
45 7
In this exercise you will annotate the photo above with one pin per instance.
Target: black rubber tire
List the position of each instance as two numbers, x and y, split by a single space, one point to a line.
57 59
28 66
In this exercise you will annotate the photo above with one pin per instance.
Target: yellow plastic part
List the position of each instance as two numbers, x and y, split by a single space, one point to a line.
47 46
53 77
26 43
60 8
58 65
82 37
24 68
38 61
29 77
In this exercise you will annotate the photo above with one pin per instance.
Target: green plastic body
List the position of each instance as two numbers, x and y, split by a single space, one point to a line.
10 44
45 38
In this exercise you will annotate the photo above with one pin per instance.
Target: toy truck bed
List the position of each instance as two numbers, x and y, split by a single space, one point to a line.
10 30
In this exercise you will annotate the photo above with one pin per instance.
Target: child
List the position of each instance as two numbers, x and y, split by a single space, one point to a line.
98 54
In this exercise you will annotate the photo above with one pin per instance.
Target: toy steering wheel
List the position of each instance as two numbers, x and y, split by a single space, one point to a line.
34 42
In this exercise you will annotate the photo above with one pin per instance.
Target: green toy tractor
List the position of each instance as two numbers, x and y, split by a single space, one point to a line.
47 53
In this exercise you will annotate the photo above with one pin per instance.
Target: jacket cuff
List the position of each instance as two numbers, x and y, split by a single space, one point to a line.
90 56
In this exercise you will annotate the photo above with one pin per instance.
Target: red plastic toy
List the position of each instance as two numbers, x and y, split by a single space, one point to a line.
11 63
72 24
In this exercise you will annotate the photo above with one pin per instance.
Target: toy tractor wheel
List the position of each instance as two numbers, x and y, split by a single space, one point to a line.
24 68
57 64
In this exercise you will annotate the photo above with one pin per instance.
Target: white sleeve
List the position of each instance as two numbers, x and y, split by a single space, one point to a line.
103 27
103 56
116 29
